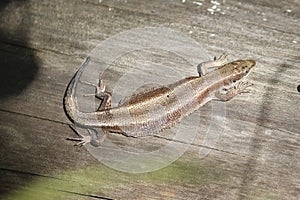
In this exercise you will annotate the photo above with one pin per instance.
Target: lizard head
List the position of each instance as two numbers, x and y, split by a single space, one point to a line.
245 66
241 68
236 70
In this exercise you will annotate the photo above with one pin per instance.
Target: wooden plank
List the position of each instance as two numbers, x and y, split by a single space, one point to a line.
255 157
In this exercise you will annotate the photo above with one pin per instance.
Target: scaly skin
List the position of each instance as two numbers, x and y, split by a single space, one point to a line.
139 116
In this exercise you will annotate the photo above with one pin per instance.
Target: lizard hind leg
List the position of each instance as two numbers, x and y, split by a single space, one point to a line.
104 96
206 67
99 88
100 93
95 138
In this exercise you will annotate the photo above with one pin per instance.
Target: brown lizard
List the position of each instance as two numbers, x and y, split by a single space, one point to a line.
135 117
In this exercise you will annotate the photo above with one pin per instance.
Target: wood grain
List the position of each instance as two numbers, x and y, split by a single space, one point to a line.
256 155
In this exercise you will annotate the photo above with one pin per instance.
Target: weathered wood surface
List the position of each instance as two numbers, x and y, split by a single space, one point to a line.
257 155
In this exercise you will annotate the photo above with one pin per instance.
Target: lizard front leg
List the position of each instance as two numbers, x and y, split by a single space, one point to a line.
206 67
232 92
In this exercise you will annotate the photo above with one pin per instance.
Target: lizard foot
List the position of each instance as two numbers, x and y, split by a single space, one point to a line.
82 141
241 87
231 92
94 139
206 67
100 94
100 89
221 60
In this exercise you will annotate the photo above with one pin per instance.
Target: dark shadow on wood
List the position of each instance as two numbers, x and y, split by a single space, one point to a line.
257 143
18 69
18 64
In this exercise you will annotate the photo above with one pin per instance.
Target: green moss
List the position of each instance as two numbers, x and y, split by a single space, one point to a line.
261 194
103 180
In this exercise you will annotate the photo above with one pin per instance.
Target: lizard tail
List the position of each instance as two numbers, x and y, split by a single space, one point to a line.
70 100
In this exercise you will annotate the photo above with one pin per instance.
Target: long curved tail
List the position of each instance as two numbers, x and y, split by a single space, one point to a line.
70 100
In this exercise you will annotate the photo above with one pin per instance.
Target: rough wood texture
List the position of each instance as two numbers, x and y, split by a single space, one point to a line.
43 43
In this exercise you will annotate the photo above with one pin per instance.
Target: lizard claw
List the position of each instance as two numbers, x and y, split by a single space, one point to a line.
99 88
241 87
222 59
206 67
82 141
94 139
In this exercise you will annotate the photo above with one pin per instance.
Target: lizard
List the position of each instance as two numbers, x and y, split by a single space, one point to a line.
132 116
